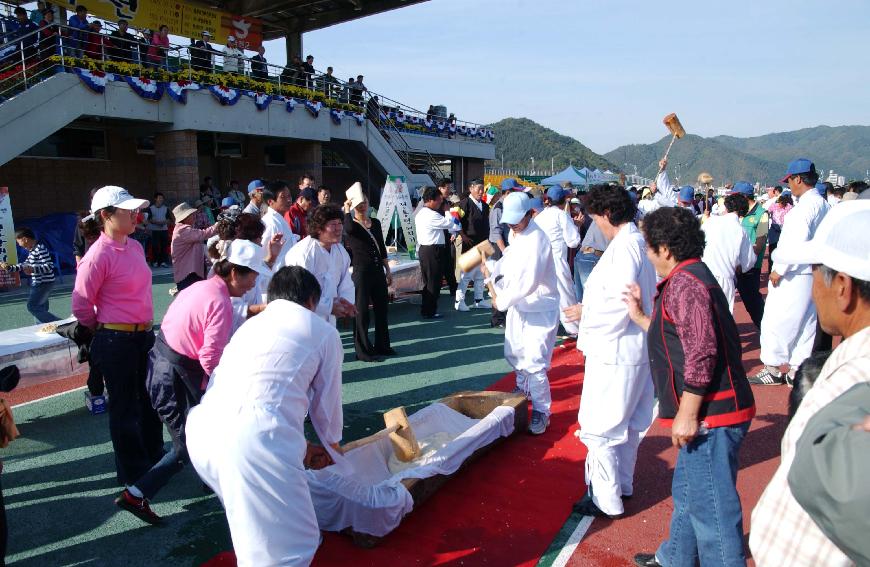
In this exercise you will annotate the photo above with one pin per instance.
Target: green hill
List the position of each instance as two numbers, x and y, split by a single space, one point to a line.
695 154
518 139
845 149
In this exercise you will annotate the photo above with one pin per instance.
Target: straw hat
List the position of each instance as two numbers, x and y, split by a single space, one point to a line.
705 178
355 194
182 211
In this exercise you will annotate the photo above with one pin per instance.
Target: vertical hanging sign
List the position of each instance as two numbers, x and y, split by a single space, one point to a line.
396 202
8 252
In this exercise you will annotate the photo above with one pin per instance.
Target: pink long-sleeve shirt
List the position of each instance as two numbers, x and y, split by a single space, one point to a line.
113 284
199 322
188 250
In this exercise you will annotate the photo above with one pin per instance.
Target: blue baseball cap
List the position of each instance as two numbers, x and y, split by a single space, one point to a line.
254 185
556 193
743 188
798 166
515 206
229 202
821 189
536 203
510 184
687 194
309 193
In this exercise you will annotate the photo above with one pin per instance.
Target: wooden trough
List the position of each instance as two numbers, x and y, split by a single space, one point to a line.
475 405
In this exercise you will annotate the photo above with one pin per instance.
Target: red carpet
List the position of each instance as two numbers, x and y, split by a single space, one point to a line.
505 509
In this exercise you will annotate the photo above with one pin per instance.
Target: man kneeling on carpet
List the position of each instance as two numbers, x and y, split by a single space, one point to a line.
703 393
524 283
246 438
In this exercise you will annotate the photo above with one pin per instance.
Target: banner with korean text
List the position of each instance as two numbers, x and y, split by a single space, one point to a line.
396 204
184 19
8 252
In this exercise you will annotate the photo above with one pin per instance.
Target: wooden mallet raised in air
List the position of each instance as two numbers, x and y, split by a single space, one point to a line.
675 128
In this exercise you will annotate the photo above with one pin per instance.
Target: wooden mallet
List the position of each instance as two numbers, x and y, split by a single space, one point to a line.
400 433
674 127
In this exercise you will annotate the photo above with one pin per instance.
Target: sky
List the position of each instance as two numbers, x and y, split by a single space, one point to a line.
607 71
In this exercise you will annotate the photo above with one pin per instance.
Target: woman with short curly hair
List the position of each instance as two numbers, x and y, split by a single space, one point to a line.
702 390
322 254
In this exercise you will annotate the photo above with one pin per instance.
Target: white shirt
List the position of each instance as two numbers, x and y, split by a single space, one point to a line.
799 226
275 224
606 330
286 363
232 60
430 226
528 273
666 193
560 229
330 267
728 247
646 206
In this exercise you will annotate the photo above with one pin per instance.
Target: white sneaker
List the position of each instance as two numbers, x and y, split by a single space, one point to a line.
483 304
460 306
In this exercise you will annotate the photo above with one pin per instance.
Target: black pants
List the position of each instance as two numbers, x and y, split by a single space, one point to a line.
175 385
159 245
188 281
135 429
371 288
95 381
448 270
748 286
431 265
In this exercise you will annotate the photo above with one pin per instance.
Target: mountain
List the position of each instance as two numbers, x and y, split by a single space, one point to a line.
695 154
518 139
845 149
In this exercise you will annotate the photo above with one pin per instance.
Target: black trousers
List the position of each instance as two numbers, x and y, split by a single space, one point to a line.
748 286
431 265
371 289
188 281
448 270
159 246
135 428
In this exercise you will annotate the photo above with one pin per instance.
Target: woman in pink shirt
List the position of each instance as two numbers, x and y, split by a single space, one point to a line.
159 47
192 338
188 246
112 296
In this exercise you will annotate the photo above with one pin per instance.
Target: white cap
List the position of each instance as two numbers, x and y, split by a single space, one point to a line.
246 253
838 242
113 196
515 206
231 38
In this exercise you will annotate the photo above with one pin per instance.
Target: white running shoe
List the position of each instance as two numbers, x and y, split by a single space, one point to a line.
460 306
483 304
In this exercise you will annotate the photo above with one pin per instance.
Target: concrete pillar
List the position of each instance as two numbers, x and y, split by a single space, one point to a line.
464 170
304 157
293 43
177 165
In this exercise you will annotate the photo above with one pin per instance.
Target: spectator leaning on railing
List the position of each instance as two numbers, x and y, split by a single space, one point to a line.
233 57
201 53
259 70
123 44
79 23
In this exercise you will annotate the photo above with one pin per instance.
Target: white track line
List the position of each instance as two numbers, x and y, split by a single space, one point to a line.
48 397
580 531
573 541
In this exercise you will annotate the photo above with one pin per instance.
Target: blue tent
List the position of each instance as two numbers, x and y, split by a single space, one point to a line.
570 173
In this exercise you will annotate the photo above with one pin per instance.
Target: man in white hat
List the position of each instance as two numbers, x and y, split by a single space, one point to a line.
246 438
233 57
524 284
839 259
201 53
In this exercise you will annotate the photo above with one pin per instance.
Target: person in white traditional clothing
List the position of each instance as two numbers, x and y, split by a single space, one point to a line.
664 193
322 254
617 402
278 201
728 251
562 231
246 438
524 284
788 326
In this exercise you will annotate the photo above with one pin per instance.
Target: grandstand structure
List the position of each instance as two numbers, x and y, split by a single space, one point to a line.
71 123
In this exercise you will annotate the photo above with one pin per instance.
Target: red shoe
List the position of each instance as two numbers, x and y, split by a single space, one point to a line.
138 507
